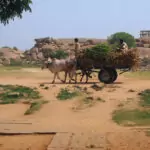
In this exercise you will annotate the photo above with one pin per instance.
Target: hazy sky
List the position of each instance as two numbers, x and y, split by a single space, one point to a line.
76 18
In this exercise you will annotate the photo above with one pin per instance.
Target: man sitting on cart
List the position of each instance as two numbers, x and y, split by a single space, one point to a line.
123 46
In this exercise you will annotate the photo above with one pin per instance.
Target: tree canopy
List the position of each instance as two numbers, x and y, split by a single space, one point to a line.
128 38
9 9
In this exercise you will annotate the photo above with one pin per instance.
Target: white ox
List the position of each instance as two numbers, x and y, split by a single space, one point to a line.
61 65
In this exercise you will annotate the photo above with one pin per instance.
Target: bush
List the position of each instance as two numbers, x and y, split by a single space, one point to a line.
14 93
35 106
66 94
59 54
145 98
128 38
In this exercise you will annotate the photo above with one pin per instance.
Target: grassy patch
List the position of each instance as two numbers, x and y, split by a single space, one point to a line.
139 74
66 94
14 93
131 117
145 98
35 106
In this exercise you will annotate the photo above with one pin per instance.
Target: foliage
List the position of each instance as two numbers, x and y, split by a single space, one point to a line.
59 54
128 38
104 55
65 94
98 51
145 98
132 117
35 106
13 93
9 9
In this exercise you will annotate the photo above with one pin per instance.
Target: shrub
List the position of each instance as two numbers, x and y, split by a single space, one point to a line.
59 54
35 106
145 98
66 94
14 93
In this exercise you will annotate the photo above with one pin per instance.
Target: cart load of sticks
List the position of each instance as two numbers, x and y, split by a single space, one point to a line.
129 59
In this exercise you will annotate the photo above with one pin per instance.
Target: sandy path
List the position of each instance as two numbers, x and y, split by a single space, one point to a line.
59 116
25 142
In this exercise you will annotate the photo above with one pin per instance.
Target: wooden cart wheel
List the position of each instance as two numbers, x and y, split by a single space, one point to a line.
107 75
114 74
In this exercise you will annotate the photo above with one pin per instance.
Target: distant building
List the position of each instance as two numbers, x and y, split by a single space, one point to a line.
145 34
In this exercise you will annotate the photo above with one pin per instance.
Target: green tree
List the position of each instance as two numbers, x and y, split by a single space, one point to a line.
128 38
9 9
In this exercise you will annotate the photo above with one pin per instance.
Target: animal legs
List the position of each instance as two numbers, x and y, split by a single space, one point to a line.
55 74
58 77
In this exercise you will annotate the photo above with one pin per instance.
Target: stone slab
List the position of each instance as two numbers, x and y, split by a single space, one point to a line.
90 141
60 140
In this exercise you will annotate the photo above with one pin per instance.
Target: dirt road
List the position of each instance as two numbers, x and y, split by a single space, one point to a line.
60 116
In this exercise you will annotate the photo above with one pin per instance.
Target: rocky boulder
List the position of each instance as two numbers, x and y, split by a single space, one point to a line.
7 54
